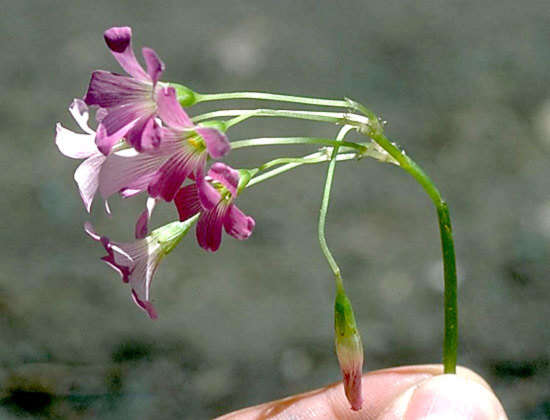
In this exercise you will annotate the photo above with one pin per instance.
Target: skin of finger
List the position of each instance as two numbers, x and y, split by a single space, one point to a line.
380 389
446 397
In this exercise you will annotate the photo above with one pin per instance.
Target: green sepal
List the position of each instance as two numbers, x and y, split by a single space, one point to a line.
245 175
168 236
344 319
185 96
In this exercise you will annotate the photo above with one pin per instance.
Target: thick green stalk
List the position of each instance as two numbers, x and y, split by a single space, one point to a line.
450 342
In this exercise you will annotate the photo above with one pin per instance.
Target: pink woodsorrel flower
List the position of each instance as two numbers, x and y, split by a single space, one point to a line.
213 198
191 145
137 261
128 103
123 171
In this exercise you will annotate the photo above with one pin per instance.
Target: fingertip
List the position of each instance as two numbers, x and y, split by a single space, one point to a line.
447 397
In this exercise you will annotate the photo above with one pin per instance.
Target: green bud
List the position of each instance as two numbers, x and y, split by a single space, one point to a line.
349 348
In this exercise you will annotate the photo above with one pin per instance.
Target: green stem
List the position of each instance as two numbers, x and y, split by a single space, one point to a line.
271 97
270 141
330 117
318 157
324 208
450 342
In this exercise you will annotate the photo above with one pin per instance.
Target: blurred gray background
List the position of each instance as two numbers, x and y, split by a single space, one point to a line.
465 87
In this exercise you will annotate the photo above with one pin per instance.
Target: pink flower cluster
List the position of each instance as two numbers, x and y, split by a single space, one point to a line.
146 142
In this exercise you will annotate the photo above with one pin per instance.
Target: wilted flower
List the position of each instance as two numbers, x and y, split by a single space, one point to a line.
137 261
349 349
128 103
213 197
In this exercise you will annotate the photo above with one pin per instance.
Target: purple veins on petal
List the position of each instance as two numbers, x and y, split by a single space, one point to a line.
219 210
187 202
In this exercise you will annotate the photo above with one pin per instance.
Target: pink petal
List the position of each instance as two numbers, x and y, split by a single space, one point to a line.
208 195
155 67
109 89
142 224
170 111
104 142
119 41
128 170
187 202
87 178
171 175
145 305
238 224
89 229
74 145
209 228
151 135
216 142
79 111
225 175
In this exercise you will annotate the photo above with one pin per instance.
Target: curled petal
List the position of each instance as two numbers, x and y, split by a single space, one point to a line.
142 224
155 67
170 111
216 141
145 305
79 111
225 175
238 224
119 41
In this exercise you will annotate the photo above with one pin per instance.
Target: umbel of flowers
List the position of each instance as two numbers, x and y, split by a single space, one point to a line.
143 142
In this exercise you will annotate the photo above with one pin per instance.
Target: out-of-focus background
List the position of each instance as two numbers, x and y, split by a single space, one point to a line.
465 88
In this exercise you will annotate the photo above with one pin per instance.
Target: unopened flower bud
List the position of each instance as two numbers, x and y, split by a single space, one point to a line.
349 349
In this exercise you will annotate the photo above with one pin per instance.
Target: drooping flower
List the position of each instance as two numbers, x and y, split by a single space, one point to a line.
137 261
128 103
349 349
191 145
213 197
